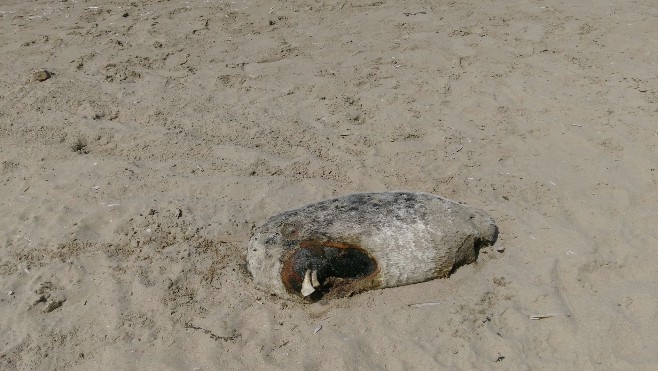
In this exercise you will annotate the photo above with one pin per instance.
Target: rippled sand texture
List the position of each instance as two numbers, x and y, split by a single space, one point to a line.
141 142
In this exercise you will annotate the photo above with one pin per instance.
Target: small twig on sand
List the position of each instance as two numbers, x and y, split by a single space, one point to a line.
458 149
549 315
420 305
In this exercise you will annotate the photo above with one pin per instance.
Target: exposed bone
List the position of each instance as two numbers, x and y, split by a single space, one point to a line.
307 287
314 279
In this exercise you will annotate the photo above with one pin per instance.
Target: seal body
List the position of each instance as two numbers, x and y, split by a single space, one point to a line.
364 241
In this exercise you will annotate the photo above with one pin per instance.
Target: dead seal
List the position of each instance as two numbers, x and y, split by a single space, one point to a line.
365 241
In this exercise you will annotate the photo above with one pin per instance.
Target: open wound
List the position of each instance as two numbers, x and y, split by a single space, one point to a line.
317 268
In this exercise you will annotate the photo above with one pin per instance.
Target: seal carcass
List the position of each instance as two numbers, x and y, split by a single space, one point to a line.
365 241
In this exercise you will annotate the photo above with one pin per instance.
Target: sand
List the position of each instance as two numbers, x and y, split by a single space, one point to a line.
142 141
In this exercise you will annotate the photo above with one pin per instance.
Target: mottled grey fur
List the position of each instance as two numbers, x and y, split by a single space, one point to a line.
413 237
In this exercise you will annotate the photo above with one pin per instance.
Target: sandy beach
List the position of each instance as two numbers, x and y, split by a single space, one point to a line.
141 142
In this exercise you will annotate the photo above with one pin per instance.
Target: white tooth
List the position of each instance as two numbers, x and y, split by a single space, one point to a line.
307 287
314 278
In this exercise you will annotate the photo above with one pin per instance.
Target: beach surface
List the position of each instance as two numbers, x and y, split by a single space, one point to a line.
141 142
